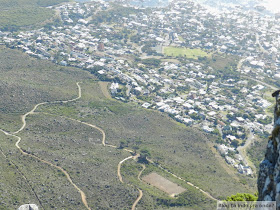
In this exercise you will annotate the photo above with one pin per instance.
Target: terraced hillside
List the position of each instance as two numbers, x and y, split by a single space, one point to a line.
65 153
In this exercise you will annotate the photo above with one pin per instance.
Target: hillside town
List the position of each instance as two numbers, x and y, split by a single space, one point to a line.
222 84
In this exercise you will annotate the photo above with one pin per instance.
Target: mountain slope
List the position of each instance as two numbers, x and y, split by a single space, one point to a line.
71 144
15 14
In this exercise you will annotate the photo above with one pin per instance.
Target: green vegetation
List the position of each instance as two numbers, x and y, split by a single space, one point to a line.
7 4
190 199
131 123
223 62
185 52
144 154
46 3
273 81
14 190
181 39
224 66
25 82
113 15
17 13
151 62
256 152
242 197
275 131
91 165
11 20
265 121
123 143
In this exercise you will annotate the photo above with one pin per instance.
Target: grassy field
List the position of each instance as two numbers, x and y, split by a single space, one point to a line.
221 61
77 148
267 96
184 52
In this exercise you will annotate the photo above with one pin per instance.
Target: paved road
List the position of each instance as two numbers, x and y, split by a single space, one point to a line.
261 82
242 149
258 43
240 63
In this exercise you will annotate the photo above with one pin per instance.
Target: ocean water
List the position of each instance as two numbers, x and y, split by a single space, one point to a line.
272 6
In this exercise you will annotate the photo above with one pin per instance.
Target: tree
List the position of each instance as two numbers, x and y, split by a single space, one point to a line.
242 197
123 143
235 143
144 154
135 148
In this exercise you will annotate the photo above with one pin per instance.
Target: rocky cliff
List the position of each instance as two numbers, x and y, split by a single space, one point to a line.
269 175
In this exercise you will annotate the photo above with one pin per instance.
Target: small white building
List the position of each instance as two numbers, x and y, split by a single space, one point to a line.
114 88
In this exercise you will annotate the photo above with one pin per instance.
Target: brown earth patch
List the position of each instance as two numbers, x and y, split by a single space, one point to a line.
163 184
104 89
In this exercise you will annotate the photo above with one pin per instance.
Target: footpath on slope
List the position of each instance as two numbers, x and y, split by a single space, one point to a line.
24 177
23 118
140 191
121 180
83 196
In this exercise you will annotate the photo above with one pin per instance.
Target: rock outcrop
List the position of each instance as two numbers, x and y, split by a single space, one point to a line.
269 174
28 207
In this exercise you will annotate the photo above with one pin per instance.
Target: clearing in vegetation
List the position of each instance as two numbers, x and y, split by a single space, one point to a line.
163 184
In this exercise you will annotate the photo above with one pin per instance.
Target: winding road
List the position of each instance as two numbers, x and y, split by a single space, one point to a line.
240 63
242 149
261 82
258 43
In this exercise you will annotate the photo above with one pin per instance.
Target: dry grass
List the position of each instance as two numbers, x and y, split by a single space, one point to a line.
104 89
163 184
